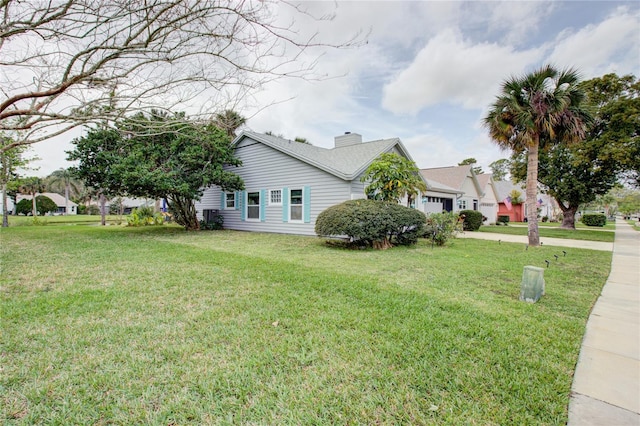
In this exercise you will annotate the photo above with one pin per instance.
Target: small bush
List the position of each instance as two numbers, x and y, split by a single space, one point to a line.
503 219
216 223
545 218
144 216
441 227
472 219
594 219
371 223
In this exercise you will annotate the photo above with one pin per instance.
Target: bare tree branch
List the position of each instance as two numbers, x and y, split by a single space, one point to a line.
73 62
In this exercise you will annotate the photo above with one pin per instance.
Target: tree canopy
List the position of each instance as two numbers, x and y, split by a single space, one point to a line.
177 164
541 108
392 177
576 174
471 161
500 169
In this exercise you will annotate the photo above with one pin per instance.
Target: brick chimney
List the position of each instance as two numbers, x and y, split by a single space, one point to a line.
347 139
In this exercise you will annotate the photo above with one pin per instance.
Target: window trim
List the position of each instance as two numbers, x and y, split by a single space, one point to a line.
291 205
226 201
271 192
247 205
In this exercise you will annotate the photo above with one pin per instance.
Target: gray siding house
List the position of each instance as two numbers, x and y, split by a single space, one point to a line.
288 183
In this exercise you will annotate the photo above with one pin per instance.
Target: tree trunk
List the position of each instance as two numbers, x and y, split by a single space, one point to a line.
34 210
103 201
382 245
5 213
568 215
66 198
532 192
184 212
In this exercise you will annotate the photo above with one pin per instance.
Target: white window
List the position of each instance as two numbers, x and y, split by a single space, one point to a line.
462 204
275 197
295 205
253 205
230 200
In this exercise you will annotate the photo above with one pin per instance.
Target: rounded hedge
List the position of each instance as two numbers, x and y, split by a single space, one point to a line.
594 219
472 219
371 223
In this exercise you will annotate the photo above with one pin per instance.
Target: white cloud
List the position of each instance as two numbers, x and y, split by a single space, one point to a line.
610 46
504 14
452 70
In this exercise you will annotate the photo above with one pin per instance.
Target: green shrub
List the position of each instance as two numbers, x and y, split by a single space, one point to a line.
503 219
594 219
371 223
144 216
441 227
472 219
216 223
44 205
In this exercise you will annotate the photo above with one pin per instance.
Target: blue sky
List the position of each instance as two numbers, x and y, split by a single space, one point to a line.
429 70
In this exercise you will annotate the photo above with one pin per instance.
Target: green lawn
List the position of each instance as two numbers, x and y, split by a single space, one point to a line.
580 233
115 325
72 219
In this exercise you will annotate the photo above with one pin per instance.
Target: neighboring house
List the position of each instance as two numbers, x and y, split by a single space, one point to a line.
288 183
9 206
461 179
439 197
518 212
56 198
489 201
130 203
506 207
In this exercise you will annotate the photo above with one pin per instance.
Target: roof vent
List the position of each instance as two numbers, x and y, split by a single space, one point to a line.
347 139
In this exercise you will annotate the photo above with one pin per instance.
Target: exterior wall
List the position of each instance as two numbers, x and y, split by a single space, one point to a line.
470 195
516 214
264 169
436 202
489 204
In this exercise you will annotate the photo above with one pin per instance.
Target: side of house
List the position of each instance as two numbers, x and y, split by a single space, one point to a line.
288 183
461 180
489 200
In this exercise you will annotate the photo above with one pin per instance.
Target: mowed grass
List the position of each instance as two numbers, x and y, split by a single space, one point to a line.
72 219
580 233
113 325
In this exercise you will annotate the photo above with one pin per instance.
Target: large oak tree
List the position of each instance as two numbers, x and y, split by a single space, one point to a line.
175 164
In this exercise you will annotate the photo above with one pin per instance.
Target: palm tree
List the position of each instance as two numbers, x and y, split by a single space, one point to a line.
540 108
64 178
32 186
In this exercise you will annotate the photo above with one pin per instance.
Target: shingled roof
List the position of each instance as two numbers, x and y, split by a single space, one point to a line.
346 162
452 176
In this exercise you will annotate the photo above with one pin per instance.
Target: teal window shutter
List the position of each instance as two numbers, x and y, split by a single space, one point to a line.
285 204
240 202
306 196
223 199
263 203
238 195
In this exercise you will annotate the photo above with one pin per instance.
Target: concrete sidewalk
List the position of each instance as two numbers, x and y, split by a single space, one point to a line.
606 383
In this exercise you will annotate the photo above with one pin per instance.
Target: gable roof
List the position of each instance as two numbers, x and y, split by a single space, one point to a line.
453 176
504 188
346 162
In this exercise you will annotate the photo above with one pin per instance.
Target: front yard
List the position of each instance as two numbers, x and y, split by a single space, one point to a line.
158 326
